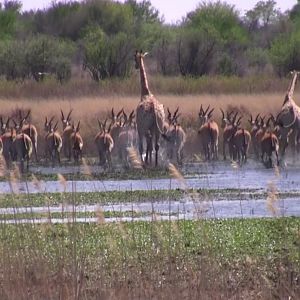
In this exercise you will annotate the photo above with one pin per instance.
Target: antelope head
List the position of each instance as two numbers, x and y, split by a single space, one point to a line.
66 121
18 126
116 119
205 115
48 124
24 119
77 128
226 120
102 127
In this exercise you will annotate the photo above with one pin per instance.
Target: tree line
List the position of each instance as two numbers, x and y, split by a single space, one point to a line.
101 36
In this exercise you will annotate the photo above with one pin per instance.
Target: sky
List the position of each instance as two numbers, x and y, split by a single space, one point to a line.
174 10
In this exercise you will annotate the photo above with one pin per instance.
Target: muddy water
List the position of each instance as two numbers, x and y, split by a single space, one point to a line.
219 178
166 210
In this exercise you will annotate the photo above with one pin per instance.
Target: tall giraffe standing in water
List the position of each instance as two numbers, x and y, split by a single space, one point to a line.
289 118
150 115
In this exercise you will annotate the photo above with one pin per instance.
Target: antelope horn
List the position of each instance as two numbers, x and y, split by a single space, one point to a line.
109 127
77 128
69 114
201 109
251 118
55 126
7 122
52 118
125 117
238 122
28 113
175 119
104 124
131 116
169 113
112 114
229 115
234 117
256 119
223 114
210 113
119 113
62 115
176 111
207 109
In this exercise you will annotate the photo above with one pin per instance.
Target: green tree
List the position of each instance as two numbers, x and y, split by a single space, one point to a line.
8 18
285 53
211 31
106 56
49 55
165 50
262 15
12 60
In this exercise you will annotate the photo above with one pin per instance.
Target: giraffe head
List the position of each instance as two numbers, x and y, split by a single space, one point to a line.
138 56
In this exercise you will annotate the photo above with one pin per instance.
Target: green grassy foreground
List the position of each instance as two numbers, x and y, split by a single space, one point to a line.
258 255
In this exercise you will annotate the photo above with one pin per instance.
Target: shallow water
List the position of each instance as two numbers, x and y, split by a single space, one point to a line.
219 178
166 210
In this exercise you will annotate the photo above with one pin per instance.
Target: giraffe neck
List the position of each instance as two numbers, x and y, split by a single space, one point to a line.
290 92
144 82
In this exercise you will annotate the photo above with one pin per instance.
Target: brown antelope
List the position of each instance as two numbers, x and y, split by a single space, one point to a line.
7 136
262 128
150 115
269 144
53 141
255 126
21 146
76 143
127 137
228 131
66 136
240 142
208 134
116 127
104 143
30 130
175 137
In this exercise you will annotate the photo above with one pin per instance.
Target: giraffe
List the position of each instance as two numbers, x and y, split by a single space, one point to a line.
289 119
150 115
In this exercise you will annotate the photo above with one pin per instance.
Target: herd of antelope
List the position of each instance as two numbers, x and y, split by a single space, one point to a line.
147 125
